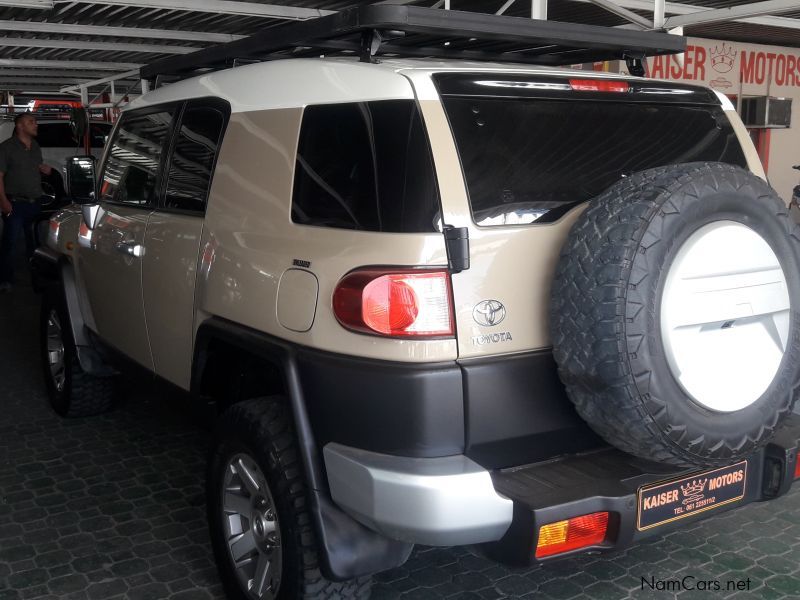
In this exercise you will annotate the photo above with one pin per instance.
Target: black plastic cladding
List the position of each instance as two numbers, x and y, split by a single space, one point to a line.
609 480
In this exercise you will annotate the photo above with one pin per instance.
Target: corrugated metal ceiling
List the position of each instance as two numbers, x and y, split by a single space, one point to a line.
137 50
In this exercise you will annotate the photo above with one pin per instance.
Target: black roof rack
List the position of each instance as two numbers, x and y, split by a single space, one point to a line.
413 31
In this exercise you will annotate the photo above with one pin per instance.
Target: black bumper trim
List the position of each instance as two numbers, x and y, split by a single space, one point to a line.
518 412
403 409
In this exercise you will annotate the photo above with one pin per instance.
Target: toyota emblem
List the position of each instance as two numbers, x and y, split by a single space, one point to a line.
489 313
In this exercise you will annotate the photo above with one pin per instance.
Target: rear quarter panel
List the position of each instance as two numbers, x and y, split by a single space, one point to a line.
249 241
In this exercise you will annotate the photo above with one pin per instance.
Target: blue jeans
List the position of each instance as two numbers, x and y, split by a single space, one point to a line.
21 219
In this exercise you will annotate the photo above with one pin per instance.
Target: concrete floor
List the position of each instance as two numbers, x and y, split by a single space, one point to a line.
112 507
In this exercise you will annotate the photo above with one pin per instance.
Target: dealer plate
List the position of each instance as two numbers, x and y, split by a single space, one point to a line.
681 498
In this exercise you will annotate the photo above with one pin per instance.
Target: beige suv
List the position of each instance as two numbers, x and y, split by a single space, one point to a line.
532 309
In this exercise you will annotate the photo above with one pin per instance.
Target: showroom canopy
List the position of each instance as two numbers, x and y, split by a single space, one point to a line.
51 46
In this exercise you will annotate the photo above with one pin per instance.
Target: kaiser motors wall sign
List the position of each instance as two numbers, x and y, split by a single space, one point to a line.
730 67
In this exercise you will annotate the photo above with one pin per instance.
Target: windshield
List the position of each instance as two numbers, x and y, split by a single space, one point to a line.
529 160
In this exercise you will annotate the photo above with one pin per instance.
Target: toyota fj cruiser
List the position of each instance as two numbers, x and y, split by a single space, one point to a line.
528 308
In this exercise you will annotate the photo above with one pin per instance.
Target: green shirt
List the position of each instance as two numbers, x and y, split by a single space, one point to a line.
20 168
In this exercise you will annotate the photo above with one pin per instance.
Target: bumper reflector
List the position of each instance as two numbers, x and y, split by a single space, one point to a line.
578 532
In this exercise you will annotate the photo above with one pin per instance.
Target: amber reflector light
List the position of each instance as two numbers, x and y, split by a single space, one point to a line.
578 532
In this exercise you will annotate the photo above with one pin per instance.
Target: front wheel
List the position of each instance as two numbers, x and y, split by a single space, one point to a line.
261 528
72 392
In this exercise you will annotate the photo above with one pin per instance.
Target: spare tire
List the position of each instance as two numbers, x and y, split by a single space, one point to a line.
674 314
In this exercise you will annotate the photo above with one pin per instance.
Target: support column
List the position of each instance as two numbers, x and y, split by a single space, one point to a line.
658 14
539 9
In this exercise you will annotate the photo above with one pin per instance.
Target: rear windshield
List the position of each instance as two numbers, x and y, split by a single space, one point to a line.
530 160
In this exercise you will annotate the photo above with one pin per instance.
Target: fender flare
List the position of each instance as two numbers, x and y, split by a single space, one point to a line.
54 274
348 549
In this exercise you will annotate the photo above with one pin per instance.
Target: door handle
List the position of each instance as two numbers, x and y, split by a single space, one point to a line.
131 249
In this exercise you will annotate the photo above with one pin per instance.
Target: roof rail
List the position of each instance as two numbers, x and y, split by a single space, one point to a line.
412 31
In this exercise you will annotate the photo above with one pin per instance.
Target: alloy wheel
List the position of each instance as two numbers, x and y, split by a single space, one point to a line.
251 529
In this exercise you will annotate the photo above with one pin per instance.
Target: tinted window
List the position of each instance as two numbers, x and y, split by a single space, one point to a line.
132 165
98 134
528 160
193 156
59 135
365 166
56 135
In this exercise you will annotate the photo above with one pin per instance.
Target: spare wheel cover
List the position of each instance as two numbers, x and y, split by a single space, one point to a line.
725 316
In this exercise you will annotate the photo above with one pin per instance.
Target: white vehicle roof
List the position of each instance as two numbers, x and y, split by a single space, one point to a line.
301 81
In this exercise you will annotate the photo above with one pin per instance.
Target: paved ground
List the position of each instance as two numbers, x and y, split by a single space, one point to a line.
112 507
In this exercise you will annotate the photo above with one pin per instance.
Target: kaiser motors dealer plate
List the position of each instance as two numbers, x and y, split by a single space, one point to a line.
665 502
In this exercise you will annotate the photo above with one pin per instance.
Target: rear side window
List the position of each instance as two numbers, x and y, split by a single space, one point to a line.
193 155
530 160
365 166
131 170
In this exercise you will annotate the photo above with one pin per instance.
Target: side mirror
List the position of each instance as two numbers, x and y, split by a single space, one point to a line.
81 186
81 179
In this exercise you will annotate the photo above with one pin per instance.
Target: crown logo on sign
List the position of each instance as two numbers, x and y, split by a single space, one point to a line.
722 58
694 488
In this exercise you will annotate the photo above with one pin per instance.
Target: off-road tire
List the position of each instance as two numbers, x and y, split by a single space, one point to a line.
82 394
605 307
262 428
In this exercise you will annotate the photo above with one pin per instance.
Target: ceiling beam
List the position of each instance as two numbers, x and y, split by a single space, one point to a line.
226 7
30 63
21 87
49 73
621 11
677 8
756 9
505 7
28 81
132 74
105 30
37 4
86 45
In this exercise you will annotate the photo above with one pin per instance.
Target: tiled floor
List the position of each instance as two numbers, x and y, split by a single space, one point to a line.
112 507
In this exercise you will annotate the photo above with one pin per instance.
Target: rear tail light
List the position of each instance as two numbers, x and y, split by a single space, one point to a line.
578 532
395 304
598 85
797 468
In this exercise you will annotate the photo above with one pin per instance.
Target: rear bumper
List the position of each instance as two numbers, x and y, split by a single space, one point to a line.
435 501
453 500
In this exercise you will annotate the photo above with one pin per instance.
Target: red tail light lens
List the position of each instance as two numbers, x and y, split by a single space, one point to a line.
598 85
410 304
797 468
578 532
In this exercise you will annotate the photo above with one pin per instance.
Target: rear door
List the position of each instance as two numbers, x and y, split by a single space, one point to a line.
169 267
110 262
519 154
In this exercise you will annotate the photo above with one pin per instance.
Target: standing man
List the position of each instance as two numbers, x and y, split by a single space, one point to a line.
21 167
